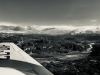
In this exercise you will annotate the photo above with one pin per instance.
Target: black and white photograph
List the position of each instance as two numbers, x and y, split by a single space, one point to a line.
49 37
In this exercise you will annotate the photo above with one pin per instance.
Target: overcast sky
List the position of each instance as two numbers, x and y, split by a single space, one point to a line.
50 12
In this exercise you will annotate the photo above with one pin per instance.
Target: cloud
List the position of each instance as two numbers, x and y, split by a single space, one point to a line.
93 20
7 24
50 30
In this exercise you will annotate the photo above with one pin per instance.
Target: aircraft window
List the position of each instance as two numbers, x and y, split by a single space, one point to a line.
4 47
7 57
1 50
8 48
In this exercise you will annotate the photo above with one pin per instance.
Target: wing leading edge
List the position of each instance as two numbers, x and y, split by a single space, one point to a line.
20 60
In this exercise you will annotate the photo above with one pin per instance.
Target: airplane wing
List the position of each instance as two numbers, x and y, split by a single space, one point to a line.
12 58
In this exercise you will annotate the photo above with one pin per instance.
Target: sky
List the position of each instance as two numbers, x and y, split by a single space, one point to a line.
50 12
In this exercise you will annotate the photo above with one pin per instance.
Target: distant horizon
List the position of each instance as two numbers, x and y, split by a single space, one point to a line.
49 29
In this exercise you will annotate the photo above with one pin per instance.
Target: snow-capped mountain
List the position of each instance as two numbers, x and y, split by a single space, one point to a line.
52 30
